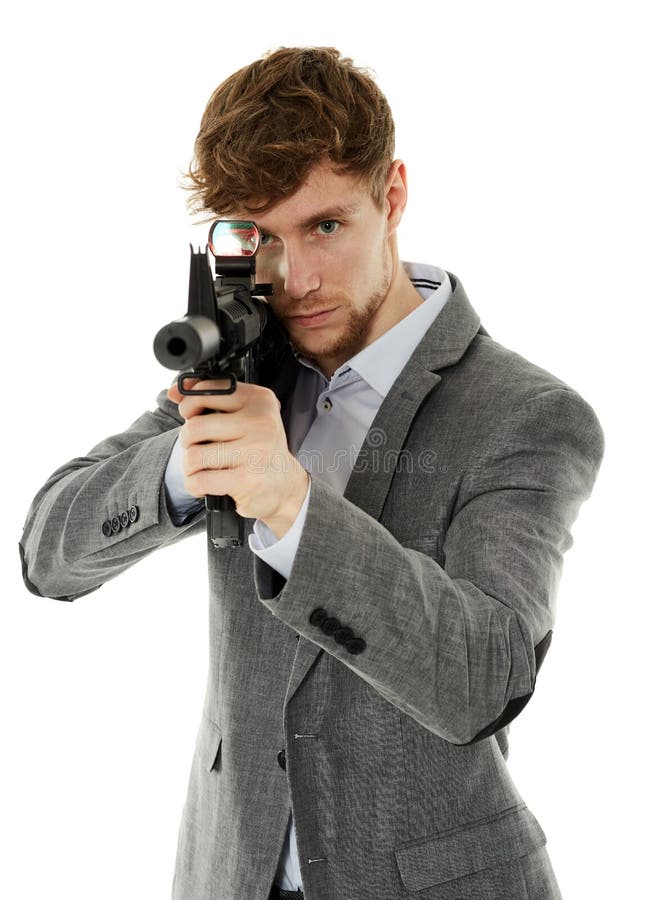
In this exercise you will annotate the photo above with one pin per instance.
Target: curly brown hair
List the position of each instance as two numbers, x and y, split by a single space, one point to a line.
269 123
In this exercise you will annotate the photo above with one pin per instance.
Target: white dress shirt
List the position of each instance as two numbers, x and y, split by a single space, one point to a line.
327 422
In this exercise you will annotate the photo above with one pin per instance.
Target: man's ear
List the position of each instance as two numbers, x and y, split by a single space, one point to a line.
395 194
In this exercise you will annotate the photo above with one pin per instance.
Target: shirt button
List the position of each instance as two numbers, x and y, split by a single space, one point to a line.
281 759
327 404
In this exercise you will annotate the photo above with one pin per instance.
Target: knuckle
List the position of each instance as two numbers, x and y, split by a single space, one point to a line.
190 428
266 394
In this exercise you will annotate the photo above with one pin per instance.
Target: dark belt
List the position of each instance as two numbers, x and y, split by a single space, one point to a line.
278 894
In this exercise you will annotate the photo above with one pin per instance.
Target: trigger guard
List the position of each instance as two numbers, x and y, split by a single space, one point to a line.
210 392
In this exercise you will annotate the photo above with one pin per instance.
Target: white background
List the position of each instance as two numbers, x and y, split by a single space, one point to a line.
524 129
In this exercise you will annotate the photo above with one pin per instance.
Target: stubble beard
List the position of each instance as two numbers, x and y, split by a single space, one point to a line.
351 337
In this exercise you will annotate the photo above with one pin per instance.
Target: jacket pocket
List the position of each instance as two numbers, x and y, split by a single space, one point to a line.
209 742
470 848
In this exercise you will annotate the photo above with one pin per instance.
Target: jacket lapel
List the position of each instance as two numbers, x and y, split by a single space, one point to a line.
443 344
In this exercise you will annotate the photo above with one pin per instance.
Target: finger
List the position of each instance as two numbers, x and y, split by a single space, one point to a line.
173 392
216 483
212 427
244 394
214 457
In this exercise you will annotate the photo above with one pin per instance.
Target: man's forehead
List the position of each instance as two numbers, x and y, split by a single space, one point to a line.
324 194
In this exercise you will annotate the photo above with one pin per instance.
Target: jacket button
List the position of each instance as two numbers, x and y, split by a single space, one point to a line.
124 519
318 616
115 525
281 760
356 645
329 626
107 531
133 513
342 635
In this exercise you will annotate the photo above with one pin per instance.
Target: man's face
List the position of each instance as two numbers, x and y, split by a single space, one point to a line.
327 247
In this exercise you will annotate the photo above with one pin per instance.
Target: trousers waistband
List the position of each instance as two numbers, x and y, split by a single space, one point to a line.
278 894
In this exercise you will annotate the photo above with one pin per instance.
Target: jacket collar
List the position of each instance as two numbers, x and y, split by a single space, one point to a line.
450 334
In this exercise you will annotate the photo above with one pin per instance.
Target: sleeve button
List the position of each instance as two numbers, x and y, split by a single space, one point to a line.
318 616
329 626
356 645
342 635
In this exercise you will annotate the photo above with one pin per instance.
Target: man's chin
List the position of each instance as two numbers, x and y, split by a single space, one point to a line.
301 350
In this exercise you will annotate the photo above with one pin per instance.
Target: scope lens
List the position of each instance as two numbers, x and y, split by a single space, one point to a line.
229 237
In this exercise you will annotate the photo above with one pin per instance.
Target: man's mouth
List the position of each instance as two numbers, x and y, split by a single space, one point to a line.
314 318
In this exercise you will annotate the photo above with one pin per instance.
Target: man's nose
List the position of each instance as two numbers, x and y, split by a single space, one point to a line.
299 272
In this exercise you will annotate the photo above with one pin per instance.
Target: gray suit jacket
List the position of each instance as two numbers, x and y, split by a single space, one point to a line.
374 688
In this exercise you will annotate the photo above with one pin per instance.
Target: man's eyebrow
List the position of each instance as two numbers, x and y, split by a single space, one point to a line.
330 212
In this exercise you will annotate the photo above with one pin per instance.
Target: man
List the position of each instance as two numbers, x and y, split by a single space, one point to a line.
408 486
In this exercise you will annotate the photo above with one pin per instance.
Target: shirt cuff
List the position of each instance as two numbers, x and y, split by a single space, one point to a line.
279 553
180 504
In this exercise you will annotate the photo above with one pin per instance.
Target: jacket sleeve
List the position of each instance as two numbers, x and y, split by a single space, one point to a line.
99 514
457 647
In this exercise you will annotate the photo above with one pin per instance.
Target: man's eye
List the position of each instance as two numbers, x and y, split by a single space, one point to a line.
329 226
264 239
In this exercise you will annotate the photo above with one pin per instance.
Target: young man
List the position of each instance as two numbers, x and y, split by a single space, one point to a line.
412 495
